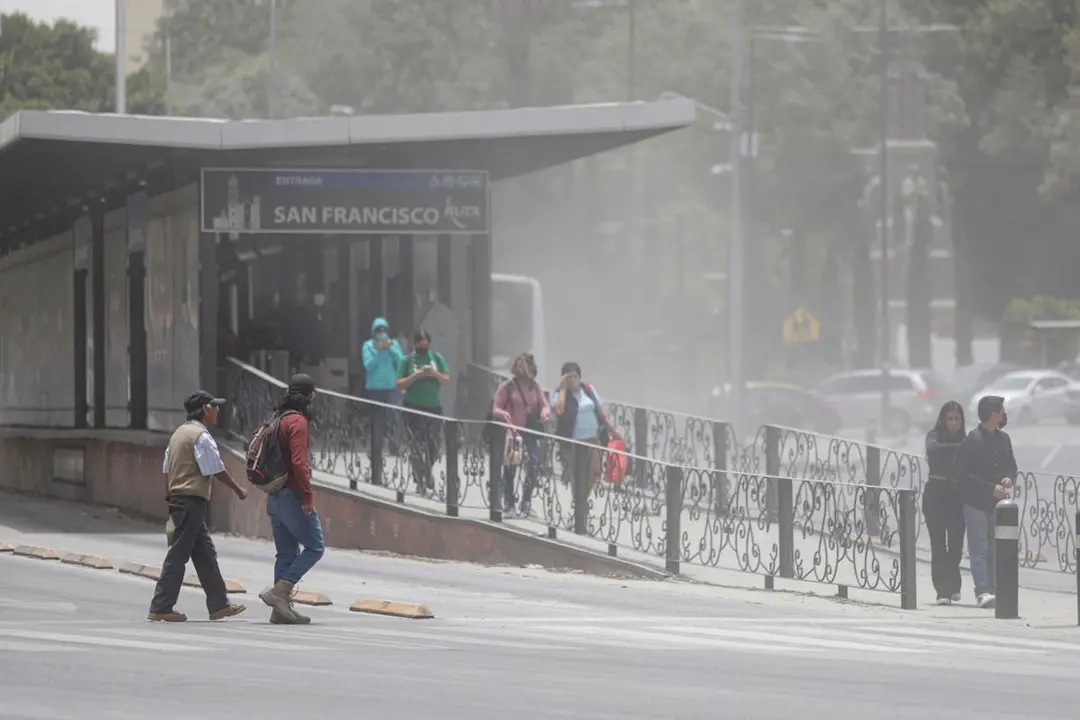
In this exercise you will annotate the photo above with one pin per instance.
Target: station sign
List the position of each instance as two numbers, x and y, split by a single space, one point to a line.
352 202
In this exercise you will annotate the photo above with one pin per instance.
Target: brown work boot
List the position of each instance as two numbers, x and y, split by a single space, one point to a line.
227 611
277 618
279 598
171 616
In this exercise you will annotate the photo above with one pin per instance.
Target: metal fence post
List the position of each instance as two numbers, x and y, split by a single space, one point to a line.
378 443
908 530
772 471
452 433
495 461
785 499
673 529
721 481
872 498
1007 560
641 446
1076 560
579 462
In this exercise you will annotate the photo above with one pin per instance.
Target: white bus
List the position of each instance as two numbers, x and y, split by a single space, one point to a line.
517 321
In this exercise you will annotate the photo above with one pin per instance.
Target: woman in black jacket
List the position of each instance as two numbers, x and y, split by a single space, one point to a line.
942 506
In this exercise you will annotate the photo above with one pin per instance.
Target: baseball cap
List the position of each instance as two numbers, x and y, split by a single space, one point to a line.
200 399
301 384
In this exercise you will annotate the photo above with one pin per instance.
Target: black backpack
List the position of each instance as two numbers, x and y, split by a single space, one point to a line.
267 464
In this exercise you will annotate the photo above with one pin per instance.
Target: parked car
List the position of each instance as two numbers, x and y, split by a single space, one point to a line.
915 396
1030 395
968 380
1072 403
767 403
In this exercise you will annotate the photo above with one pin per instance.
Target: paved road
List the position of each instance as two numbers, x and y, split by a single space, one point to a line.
74 644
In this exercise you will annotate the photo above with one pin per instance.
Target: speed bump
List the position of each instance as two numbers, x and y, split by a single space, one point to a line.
6 547
35 551
231 586
90 561
145 571
307 597
413 611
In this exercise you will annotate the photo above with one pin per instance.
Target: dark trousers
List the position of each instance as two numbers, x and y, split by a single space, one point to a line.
190 541
424 443
944 514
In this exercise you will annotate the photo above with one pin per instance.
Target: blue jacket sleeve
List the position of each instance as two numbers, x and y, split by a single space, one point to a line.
370 355
396 353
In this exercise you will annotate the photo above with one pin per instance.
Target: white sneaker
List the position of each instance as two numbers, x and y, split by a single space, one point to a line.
956 598
944 601
986 600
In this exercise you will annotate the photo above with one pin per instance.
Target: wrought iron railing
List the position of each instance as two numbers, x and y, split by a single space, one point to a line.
1047 502
733 512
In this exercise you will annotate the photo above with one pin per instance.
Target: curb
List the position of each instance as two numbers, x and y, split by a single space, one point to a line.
232 587
6 547
145 571
413 611
90 561
34 551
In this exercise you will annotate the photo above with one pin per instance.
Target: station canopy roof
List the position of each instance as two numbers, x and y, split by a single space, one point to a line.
53 161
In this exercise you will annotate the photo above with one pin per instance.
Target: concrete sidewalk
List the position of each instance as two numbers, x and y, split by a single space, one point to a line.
634 522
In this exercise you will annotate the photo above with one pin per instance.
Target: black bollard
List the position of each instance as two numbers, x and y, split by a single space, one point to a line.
1007 560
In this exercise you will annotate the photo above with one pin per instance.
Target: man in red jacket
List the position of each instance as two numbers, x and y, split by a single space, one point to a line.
293 519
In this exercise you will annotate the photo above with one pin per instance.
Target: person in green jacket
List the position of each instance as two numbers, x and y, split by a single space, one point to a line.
421 376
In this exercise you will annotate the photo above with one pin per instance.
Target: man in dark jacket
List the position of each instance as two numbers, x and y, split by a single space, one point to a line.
986 469
293 519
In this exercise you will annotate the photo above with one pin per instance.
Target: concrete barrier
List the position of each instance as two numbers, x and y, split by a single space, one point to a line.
90 561
6 547
232 587
35 551
150 572
308 597
116 466
413 611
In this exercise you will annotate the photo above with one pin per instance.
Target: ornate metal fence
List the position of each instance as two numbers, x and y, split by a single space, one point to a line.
344 447
733 513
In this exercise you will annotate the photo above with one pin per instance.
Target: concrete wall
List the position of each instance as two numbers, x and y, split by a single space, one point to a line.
122 469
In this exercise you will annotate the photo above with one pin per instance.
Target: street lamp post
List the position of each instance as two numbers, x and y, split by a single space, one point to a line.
736 249
883 188
121 51
271 76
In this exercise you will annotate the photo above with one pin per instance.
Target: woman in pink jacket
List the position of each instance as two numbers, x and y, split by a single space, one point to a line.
520 402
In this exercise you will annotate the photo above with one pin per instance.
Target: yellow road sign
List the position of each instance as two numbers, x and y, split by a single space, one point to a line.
802 327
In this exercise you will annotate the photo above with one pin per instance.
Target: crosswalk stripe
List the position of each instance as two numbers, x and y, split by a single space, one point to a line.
226 638
1034 645
917 639
682 641
99 641
821 643
20 646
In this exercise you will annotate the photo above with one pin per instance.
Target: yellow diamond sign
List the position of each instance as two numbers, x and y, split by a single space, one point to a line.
802 327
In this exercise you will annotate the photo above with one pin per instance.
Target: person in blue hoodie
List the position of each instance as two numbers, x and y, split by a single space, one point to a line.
382 356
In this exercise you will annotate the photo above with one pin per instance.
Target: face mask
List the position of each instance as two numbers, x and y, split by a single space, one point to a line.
422 351
381 336
1004 420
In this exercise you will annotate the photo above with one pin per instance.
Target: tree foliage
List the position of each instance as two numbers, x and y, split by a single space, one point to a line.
1002 105
46 66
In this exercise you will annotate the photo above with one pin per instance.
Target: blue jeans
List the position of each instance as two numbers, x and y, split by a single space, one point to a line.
980 539
291 529
529 462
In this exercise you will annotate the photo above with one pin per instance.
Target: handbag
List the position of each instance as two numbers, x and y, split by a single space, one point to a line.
513 450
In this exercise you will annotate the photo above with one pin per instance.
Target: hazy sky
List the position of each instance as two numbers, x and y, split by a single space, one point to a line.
98 14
